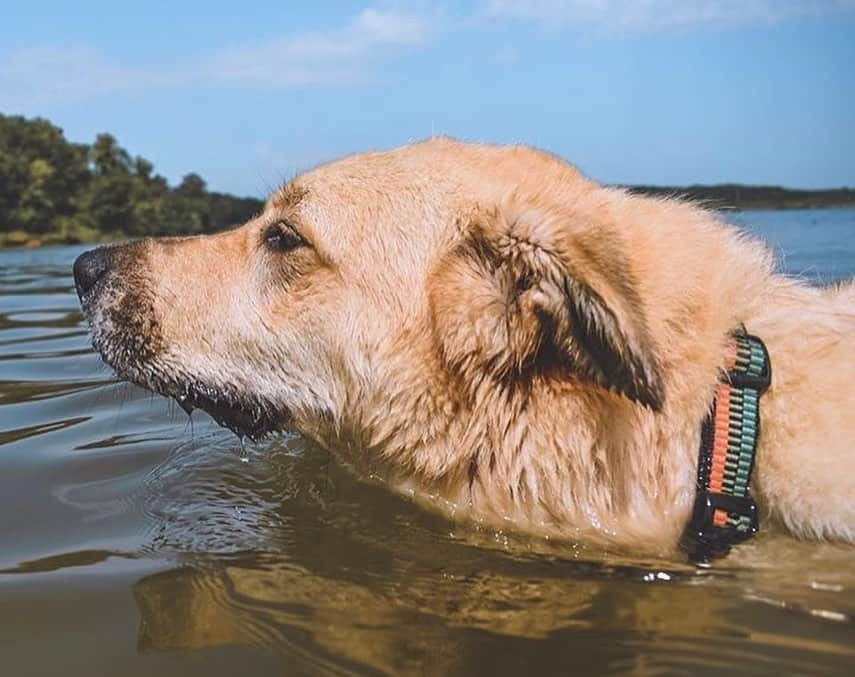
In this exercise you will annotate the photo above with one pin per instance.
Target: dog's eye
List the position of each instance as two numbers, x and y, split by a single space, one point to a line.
283 237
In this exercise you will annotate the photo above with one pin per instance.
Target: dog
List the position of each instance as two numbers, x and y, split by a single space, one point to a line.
497 335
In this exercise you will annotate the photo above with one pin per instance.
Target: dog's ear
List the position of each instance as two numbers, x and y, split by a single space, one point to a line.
525 293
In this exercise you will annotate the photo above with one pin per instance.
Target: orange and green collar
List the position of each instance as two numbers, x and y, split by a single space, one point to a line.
725 513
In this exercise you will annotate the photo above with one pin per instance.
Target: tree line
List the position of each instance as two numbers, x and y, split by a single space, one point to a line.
53 190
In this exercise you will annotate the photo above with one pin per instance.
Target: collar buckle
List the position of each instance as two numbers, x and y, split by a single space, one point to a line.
704 539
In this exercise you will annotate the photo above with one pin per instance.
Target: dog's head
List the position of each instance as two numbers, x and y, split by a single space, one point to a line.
440 269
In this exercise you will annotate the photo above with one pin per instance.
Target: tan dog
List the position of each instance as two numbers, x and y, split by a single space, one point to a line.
488 328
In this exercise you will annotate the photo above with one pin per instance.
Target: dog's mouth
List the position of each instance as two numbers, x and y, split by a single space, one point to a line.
245 415
250 417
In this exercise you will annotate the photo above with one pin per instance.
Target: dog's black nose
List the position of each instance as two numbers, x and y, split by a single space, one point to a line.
90 267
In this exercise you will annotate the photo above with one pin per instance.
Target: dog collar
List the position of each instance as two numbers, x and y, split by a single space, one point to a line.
725 513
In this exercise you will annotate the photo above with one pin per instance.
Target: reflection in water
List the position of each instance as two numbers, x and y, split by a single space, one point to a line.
269 603
158 545
441 622
291 556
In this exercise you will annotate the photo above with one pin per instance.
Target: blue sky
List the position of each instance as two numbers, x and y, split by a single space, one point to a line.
632 91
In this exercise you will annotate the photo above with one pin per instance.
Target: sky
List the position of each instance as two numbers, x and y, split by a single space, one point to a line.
248 94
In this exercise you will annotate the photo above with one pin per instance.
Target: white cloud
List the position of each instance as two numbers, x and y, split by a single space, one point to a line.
318 58
654 15
35 76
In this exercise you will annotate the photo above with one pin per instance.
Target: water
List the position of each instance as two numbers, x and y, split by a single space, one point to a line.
136 541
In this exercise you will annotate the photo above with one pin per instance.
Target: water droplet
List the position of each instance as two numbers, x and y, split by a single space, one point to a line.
184 403
243 455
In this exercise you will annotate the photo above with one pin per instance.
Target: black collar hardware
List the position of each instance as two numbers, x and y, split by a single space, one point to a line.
725 513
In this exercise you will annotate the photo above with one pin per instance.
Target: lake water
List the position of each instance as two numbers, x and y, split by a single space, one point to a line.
136 541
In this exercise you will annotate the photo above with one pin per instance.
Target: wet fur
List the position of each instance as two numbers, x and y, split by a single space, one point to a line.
503 337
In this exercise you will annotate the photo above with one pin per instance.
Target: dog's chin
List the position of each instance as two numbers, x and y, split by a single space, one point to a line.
245 414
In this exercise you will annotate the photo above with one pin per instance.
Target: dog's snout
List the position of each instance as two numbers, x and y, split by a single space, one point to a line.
90 267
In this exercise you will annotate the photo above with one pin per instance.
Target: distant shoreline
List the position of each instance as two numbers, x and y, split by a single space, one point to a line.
738 197
724 198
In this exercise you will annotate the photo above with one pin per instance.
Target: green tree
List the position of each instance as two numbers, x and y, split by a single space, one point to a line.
53 189
118 184
107 203
37 211
108 157
192 187
188 211
41 174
